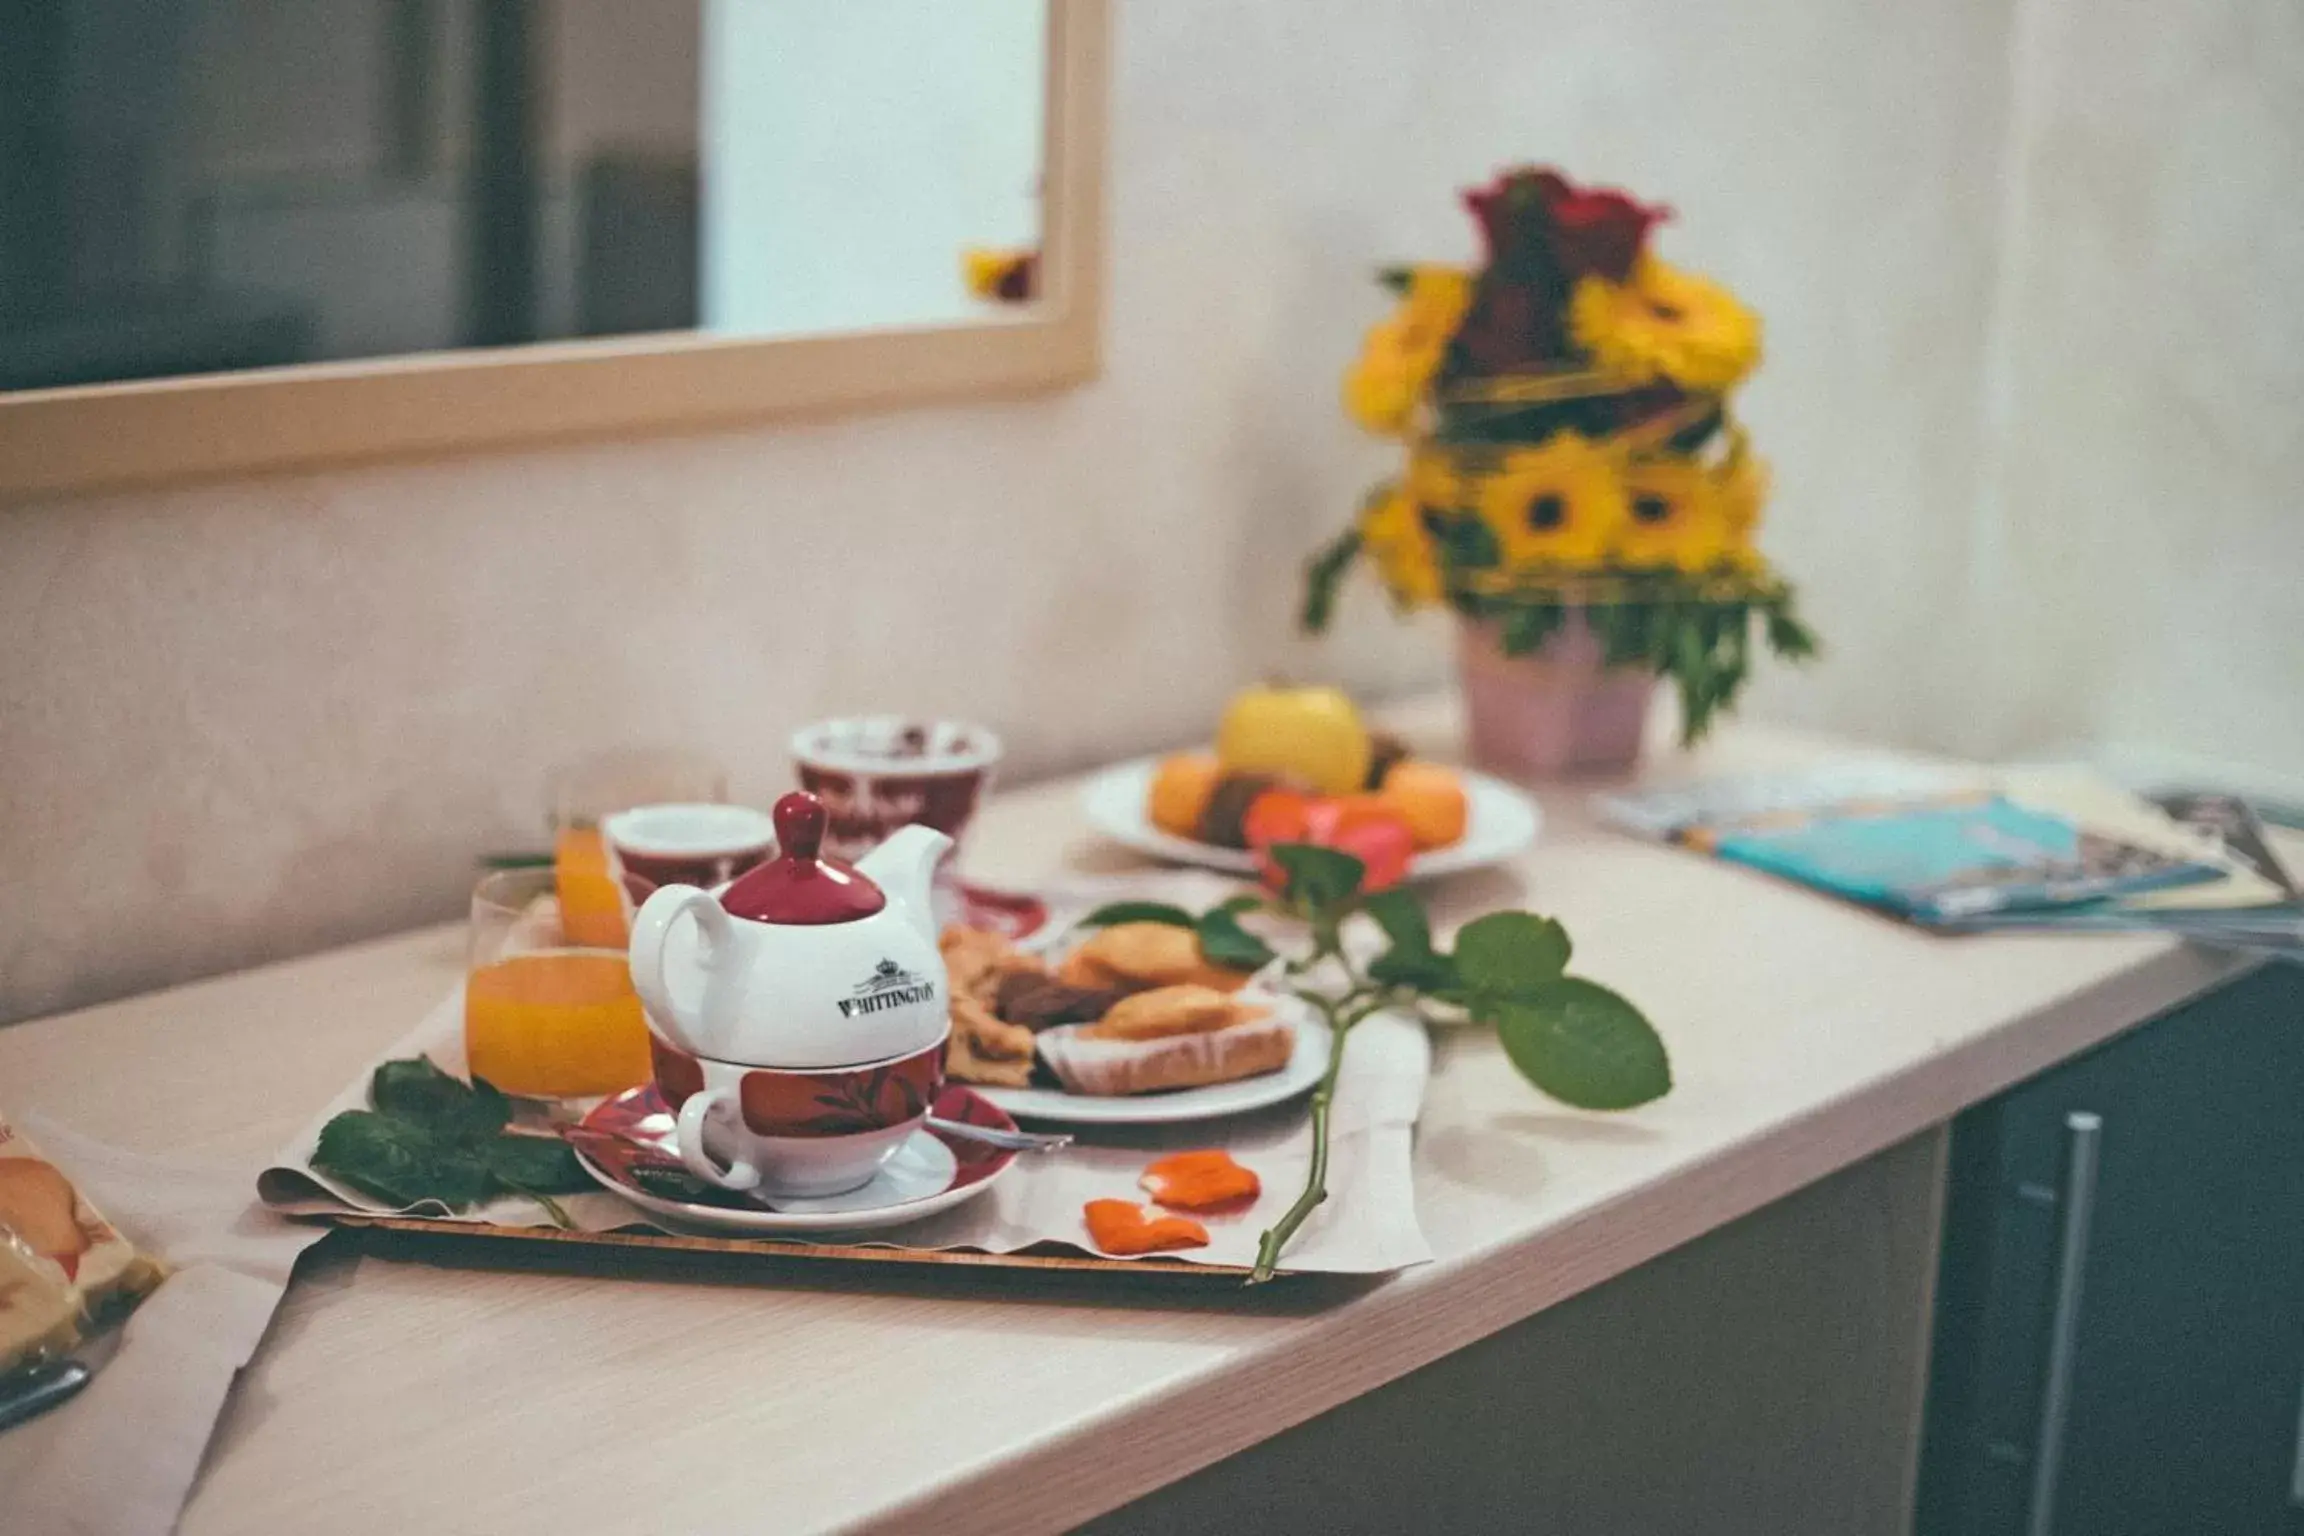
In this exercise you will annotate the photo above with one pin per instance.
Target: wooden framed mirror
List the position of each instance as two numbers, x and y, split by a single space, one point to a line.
153 366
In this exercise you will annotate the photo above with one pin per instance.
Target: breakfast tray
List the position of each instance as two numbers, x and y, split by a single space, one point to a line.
1027 1221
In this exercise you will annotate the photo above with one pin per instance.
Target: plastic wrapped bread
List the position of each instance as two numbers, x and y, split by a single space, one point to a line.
61 1263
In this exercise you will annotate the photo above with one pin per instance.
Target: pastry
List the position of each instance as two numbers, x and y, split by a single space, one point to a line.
1174 1037
1165 1011
1134 957
978 961
985 1048
1114 1067
1041 1002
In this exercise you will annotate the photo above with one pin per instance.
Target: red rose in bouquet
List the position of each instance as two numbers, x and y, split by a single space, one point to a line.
1597 230
1542 233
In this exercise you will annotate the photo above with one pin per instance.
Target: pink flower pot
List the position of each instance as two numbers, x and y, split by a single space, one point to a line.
1555 711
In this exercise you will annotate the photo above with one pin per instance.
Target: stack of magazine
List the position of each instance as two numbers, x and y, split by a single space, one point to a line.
1963 852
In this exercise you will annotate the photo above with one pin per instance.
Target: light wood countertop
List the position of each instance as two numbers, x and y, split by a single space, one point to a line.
451 1396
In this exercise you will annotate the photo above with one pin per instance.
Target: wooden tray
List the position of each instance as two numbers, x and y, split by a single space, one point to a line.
1045 1258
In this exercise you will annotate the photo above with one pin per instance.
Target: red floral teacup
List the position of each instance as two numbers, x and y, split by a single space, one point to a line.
703 845
876 773
765 1131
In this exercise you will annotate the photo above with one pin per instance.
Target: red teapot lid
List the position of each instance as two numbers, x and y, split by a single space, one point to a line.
798 888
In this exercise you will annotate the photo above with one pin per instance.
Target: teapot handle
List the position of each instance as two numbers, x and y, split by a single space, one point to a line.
696 1026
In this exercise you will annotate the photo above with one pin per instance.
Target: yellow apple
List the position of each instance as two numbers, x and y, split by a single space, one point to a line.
1310 734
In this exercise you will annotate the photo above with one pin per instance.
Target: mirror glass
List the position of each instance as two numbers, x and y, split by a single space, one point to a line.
192 186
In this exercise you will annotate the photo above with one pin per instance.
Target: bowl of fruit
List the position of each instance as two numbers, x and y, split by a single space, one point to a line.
1301 765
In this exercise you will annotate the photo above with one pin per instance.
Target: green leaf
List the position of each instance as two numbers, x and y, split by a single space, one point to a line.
1411 961
1239 904
1585 1046
1401 915
1788 637
1423 970
535 1165
416 1090
1511 954
399 1161
1323 575
1318 878
1224 942
1114 913
1467 542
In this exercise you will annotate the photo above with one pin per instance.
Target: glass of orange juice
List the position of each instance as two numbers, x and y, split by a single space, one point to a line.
591 906
546 1015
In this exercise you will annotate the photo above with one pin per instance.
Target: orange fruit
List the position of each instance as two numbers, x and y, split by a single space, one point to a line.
1430 799
1180 791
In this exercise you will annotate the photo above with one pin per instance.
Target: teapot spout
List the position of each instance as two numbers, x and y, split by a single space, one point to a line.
904 866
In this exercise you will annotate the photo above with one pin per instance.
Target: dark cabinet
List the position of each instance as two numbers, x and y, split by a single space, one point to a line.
2119 1345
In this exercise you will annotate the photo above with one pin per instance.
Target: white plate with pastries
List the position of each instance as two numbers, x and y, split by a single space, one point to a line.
1500 821
1134 1025
1306 1062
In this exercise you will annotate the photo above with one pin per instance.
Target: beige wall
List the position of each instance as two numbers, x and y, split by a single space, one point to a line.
239 721
2141 545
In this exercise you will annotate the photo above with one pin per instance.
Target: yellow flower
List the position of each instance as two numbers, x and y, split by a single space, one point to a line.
1676 517
1665 323
1560 503
999 276
1433 480
1402 352
1740 485
1392 531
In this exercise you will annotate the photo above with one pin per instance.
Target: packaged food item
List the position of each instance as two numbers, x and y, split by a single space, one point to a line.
62 1265
39 1314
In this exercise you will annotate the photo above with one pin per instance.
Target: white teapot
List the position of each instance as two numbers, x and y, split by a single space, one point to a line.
803 962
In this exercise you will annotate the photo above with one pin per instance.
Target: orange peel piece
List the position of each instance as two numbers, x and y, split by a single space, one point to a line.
1126 1228
1200 1181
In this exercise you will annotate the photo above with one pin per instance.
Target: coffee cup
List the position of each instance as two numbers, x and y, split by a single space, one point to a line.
770 1132
876 773
697 844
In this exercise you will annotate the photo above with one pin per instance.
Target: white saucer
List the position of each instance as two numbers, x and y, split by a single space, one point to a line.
1302 1071
1502 821
924 1175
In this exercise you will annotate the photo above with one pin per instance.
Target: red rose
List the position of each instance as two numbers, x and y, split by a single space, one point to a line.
1534 213
1600 230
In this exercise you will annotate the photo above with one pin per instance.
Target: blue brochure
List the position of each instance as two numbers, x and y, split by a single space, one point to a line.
1951 859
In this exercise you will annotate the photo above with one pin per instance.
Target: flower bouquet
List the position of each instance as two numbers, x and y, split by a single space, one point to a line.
1576 487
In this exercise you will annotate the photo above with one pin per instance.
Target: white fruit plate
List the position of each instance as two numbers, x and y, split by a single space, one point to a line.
1503 821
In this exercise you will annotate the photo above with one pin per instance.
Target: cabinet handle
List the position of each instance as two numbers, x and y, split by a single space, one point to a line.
2082 1133
2296 1473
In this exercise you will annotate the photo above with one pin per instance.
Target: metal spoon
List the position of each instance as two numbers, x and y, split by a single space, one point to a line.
989 1135
993 1136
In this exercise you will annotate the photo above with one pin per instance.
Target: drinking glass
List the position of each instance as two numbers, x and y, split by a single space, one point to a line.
545 1014
580 794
